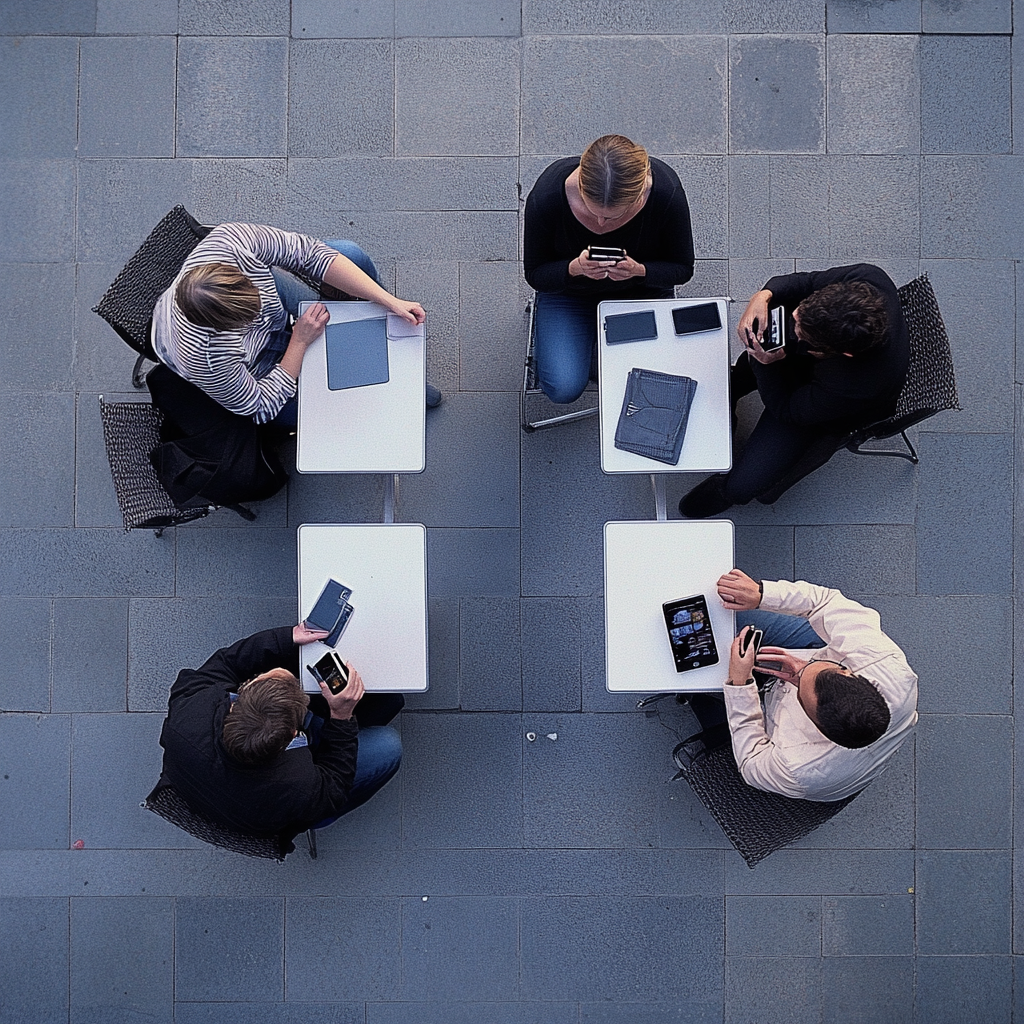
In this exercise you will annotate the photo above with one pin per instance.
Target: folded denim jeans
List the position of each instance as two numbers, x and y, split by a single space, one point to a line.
655 410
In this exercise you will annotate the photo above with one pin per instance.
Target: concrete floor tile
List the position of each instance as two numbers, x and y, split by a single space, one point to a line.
29 18
472 562
435 285
35 757
443 644
559 117
647 1013
493 326
605 17
38 299
37 209
334 498
859 988
795 984
26 638
90 654
765 552
125 17
749 215
345 19
270 1013
468 1012
951 989
490 675
776 95
798 207
221 190
856 559
39 83
773 926
34 974
874 207
759 16
853 16
551 629
465 18
867 925
987 16
705 179
825 872
263 563
220 18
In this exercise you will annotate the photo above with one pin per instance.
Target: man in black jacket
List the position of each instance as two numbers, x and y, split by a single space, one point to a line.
843 366
243 749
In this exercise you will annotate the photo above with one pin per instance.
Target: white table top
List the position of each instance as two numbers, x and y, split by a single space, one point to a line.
645 565
376 429
386 567
704 357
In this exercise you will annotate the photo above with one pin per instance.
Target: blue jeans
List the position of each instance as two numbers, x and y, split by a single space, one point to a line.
792 631
566 344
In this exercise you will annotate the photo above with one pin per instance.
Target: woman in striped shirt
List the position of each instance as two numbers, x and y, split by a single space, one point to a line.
222 323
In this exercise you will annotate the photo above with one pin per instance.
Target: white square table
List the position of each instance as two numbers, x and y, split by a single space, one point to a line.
645 565
704 357
386 567
380 428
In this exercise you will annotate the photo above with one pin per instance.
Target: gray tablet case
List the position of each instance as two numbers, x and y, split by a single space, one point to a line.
357 353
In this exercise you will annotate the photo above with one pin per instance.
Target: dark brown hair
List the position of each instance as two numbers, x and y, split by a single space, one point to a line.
613 171
851 712
218 296
262 722
847 317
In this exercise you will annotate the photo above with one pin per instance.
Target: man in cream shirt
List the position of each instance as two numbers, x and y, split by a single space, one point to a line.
829 724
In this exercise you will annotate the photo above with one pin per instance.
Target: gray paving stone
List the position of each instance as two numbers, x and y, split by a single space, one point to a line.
980 789
794 984
375 826
125 17
251 70
621 872
644 1013
862 988
965 94
25 638
38 299
1019 360
560 117
167 634
465 18
798 206
550 638
228 949
776 95
35 760
705 179
472 562
592 662
90 654
951 989
823 872
765 552
952 643
773 926
270 1013
749 213
115 762
451 97
492 326
599 947
321 71
759 16
856 559
34 974
887 16
341 498
595 784
605 17
220 18
1017 109
39 83
38 453
347 19
874 207
867 926
874 93
126 96
963 204
263 563
472 465
490 673
963 517
122 952
369 930
37 209
467 1012
972 296
710 277
988 16
29 17
460 949
963 903
455 774
233 189
443 648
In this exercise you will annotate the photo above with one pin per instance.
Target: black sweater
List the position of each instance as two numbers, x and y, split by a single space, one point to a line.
837 391
294 791
659 237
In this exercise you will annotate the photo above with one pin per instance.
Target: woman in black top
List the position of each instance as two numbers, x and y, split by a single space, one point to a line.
614 195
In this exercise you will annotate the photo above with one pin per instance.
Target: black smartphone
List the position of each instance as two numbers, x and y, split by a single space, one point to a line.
329 606
606 253
753 639
331 671
343 620
694 319
689 633
620 327
774 335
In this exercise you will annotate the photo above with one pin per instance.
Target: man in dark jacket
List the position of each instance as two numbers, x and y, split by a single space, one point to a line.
843 366
246 748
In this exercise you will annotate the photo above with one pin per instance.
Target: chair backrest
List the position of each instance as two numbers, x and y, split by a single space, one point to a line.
131 430
128 303
756 823
166 801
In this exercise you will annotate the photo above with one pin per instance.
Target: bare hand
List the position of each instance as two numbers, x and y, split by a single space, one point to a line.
302 634
343 705
755 318
411 312
596 270
740 668
777 662
310 325
739 593
625 269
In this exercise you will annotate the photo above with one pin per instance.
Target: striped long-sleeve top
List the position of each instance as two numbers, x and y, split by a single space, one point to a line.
221 362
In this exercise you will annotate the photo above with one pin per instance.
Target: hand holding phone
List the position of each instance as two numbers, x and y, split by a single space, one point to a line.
343 704
330 671
606 253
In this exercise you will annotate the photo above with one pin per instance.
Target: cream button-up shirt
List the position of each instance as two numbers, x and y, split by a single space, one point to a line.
779 749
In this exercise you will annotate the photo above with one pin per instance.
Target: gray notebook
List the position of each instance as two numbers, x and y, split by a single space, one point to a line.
357 353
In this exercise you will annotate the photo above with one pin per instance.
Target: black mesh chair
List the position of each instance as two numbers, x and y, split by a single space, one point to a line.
930 388
756 823
531 385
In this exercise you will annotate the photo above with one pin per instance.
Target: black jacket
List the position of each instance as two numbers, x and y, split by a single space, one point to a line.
285 797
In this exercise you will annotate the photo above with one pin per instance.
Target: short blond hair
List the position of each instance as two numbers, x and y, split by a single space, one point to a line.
613 171
219 296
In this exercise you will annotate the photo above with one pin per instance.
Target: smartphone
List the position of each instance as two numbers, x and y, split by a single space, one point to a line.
331 671
343 620
694 319
752 639
620 327
689 633
606 253
775 330
329 606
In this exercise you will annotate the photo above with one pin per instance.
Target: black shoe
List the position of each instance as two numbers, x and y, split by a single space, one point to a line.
706 499
434 397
